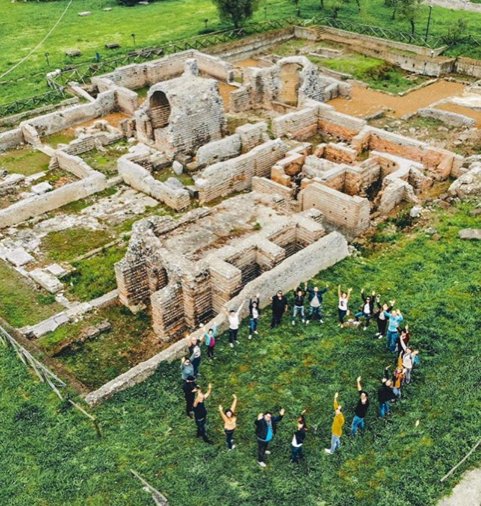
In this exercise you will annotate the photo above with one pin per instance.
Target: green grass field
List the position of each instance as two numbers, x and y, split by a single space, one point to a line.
23 25
51 456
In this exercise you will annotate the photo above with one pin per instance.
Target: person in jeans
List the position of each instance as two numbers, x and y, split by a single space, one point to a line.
230 422
298 439
367 308
254 315
395 318
298 305
189 388
361 409
209 338
337 425
385 395
343 300
233 317
381 318
200 412
266 428
186 367
195 355
315 302
408 357
279 307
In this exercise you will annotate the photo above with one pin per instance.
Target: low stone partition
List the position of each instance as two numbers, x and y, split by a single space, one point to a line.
11 139
140 179
447 117
287 276
236 174
57 121
298 125
350 215
39 204
73 164
269 187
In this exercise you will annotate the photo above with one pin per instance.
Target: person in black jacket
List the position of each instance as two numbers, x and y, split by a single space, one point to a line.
361 409
315 302
298 305
367 308
381 318
385 394
298 439
200 412
189 387
279 307
266 428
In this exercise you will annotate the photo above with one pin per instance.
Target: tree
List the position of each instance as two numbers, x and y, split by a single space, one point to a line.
394 4
410 10
457 32
236 11
337 6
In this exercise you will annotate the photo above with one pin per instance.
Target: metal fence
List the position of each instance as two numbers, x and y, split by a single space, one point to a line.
27 104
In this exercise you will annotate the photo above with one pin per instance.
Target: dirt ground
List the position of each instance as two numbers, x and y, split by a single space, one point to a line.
366 102
459 109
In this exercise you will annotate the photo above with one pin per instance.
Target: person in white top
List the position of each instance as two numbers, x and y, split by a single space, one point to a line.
343 300
233 317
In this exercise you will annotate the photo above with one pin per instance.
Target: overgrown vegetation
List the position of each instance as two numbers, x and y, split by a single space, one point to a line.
377 73
437 286
101 359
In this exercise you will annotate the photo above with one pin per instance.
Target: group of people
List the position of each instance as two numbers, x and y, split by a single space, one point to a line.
388 322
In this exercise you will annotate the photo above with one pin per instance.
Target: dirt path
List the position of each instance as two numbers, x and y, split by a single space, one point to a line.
225 90
366 102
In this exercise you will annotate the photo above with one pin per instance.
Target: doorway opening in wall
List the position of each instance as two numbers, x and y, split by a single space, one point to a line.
289 83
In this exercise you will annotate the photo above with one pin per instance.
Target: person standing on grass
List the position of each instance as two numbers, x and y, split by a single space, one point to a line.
395 318
233 317
315 302
298 305
381 318
210 341
200 412
189 387
254 315
367 308
337 425
230 422
398 378
385 395
408 357
187 368
195 355
361 409
298 439
343 300
279 307
405 337
266 428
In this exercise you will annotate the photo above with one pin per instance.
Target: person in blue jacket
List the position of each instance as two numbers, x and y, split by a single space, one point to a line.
315 302
266 428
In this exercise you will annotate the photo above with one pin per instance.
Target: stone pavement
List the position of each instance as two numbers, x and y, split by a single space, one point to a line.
467 492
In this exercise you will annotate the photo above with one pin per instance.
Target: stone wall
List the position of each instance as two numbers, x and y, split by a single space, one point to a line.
11 139
39 204
287 276
140 179
236 174
298 125
73 164
269 187
350 215
468 66
218 151
60 120
447 117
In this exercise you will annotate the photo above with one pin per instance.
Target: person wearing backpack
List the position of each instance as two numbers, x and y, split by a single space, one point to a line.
209 338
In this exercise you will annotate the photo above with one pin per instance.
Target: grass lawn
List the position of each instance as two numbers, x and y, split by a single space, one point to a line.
21 303
155 24
26 161
50 455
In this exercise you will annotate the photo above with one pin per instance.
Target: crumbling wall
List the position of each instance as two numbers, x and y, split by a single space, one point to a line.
73 164
447 117
39 204
140 179
350 215
236 174
57 121
297 125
